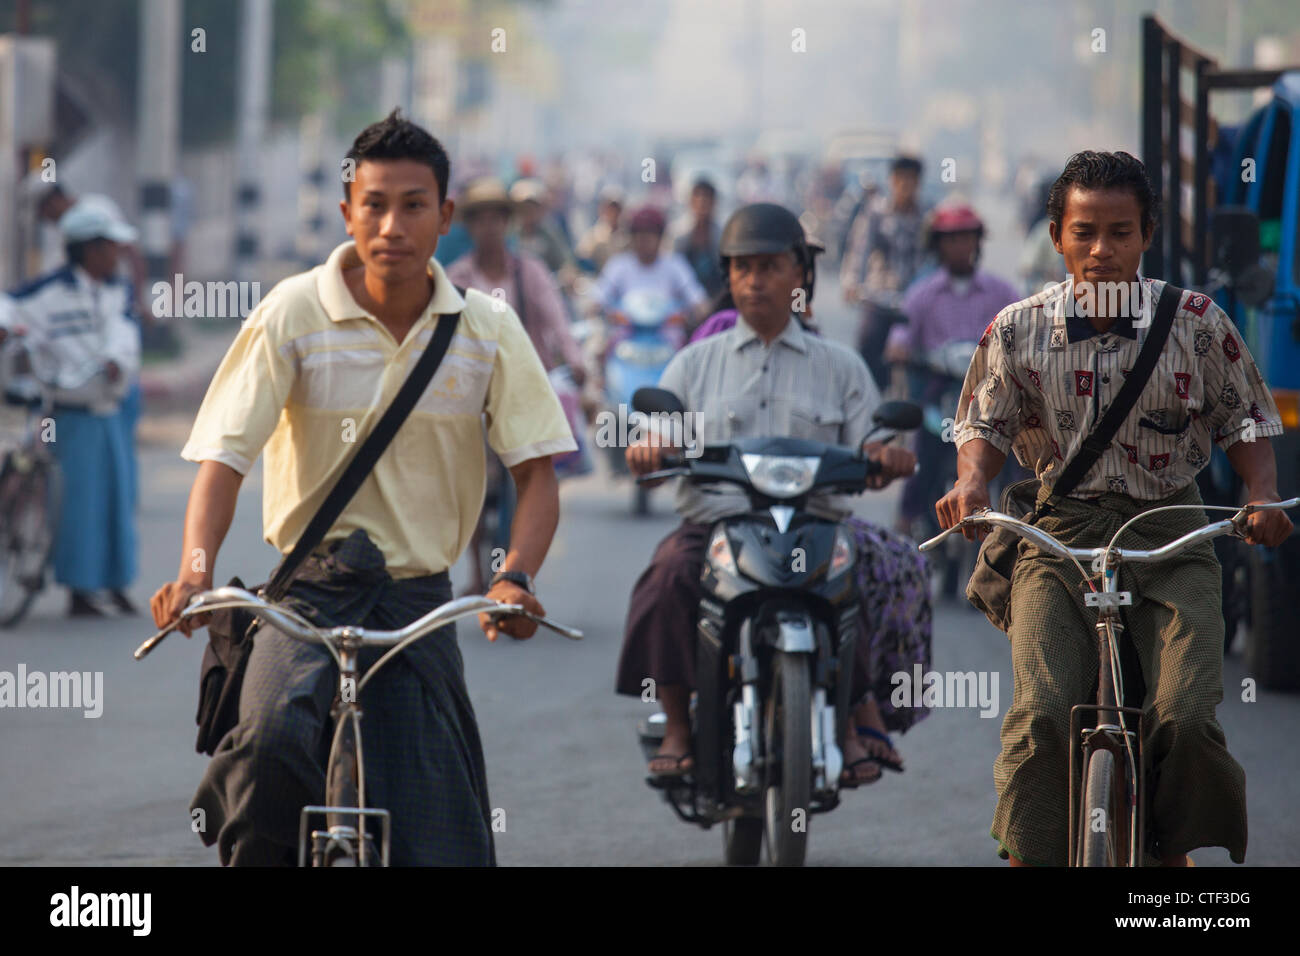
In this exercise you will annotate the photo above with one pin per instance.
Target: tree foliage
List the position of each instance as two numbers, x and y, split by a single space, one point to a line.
325 53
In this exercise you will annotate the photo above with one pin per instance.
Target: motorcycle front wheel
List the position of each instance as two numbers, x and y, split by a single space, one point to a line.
742 841
788 787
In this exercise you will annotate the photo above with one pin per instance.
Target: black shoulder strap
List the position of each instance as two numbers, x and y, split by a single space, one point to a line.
1103 432
360 465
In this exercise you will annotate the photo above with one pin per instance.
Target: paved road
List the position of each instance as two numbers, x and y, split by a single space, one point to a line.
563 761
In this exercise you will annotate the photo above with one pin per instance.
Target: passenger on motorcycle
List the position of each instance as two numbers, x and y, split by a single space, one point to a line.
950 306
765 376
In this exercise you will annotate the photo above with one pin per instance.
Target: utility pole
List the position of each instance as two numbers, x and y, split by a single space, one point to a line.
311 186
254 87
158 129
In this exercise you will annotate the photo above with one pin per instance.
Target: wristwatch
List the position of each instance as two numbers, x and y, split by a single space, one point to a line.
514 577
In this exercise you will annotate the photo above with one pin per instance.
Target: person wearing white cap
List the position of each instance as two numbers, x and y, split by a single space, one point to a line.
78 320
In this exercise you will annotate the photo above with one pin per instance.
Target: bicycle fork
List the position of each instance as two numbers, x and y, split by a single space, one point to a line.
345 786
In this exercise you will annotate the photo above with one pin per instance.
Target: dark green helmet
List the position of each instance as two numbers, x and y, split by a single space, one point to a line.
765 227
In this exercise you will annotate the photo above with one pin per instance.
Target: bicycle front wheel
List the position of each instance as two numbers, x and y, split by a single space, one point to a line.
1103 822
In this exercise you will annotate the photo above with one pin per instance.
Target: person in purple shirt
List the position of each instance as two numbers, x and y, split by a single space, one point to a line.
955 303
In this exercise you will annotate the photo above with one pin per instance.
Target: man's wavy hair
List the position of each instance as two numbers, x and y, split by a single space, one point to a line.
396 137
1096 170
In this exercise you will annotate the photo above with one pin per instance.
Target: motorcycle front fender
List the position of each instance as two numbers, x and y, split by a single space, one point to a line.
795 634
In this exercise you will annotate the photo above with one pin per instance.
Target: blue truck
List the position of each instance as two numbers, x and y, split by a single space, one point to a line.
1231 228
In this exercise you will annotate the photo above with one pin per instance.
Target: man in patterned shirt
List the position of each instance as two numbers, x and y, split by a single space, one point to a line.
1045 372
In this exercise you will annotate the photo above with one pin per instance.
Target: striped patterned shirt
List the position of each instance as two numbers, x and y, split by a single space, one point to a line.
1042 378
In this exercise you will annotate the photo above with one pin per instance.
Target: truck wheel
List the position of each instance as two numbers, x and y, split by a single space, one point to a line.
1272 653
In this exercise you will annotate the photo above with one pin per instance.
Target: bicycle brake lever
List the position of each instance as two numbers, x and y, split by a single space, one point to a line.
517 610
151 643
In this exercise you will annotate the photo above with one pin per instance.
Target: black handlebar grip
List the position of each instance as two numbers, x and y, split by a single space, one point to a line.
669 460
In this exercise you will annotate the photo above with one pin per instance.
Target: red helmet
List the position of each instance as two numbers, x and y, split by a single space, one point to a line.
647 219
956 219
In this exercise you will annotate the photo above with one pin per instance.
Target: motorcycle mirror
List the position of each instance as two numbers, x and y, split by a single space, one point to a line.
1253 286
898 416
1236 239
650 400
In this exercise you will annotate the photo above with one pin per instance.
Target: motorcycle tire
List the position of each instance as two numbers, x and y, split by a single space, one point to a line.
742 841
787 792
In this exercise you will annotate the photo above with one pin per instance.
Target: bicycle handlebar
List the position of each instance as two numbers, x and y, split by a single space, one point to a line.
1234 525
294 625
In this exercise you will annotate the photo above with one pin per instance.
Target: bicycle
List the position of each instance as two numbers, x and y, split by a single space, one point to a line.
31 484
341 843
1107 809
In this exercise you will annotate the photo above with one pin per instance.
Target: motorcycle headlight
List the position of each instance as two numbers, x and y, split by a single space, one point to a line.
781 476
842 555
720 552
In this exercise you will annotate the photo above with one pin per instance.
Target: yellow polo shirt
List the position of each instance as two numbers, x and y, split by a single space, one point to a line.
311 373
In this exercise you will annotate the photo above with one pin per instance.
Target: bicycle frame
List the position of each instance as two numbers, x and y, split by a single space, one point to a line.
344 645
1111 730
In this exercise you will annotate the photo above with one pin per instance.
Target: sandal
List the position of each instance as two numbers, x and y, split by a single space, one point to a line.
677 770
885 762
852 782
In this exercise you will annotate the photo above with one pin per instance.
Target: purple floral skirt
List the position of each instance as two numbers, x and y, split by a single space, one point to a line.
898 621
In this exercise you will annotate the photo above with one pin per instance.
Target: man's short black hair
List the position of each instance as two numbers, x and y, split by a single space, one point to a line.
1091 169
703 185
906 164
396 137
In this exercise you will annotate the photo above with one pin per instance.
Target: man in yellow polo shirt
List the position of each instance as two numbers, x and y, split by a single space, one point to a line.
311 371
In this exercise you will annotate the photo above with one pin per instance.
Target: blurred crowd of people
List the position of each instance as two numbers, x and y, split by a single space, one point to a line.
570 245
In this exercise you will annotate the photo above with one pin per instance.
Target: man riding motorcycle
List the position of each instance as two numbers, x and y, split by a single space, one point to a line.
766 376
951 305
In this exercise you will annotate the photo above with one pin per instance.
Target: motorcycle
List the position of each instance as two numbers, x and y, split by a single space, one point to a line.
775 641
647 334
941 374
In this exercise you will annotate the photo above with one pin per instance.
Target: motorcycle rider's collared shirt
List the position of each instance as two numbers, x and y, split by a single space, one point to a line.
939 312
799 386
1042 377
311 372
